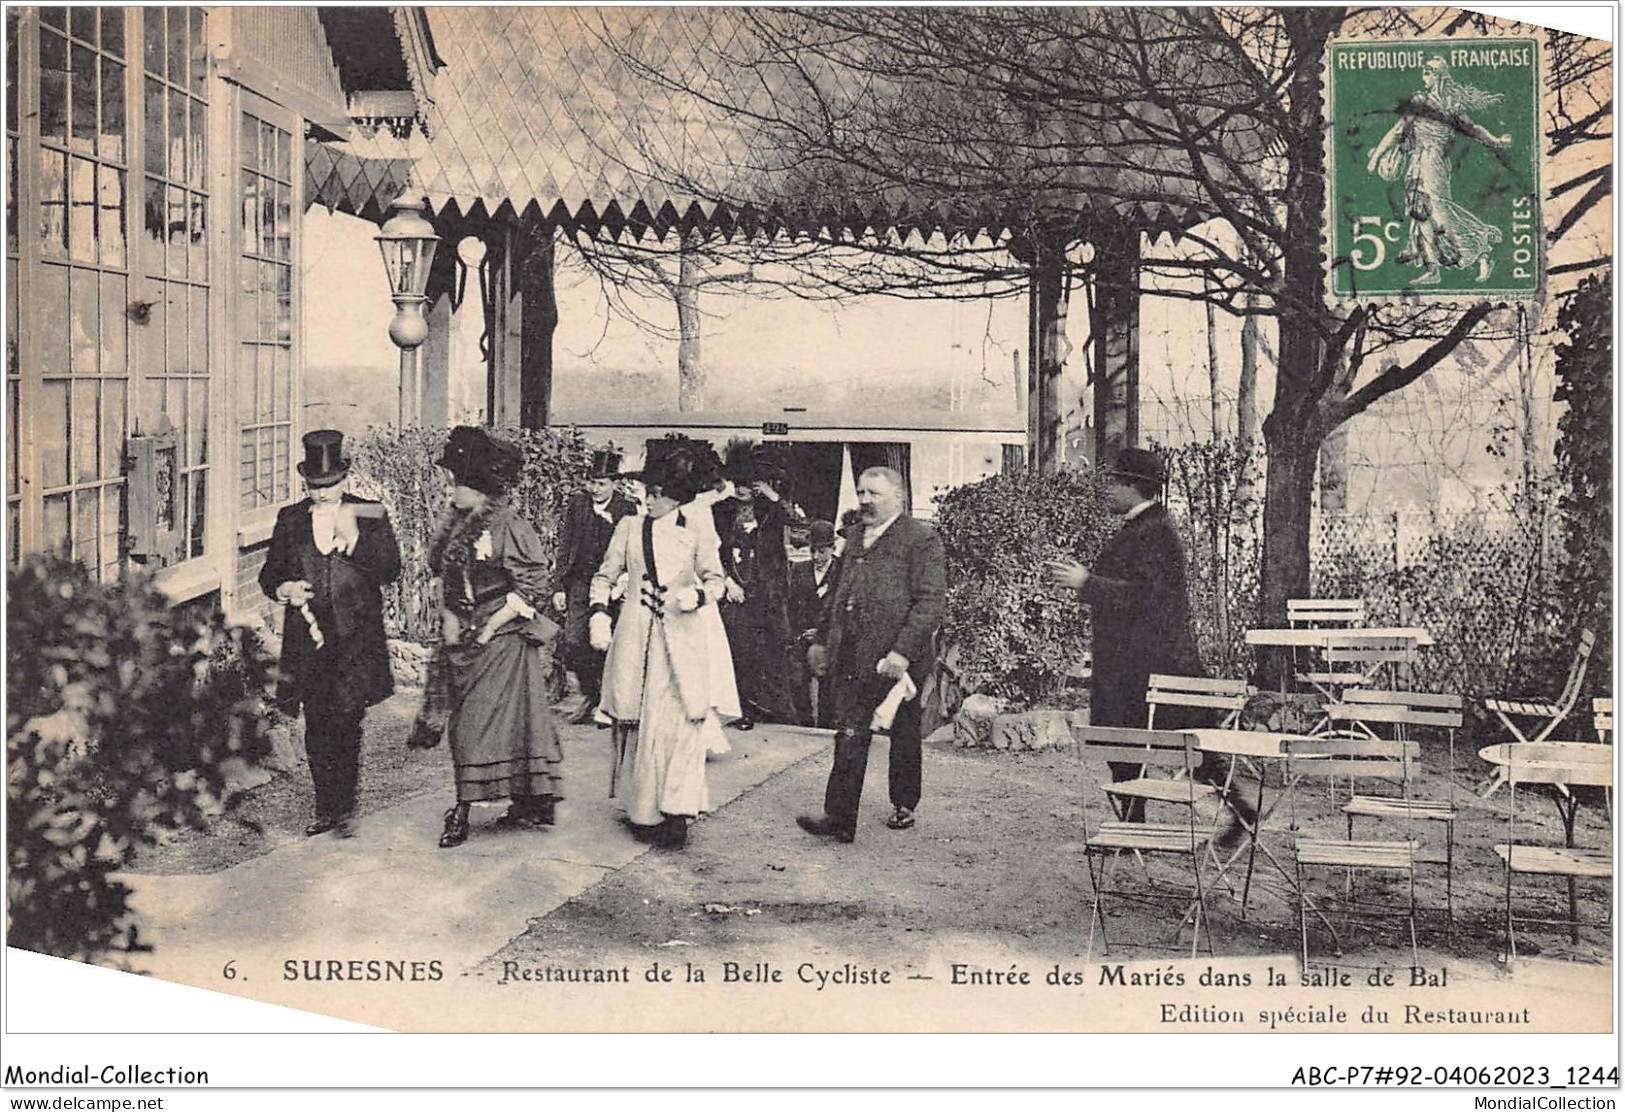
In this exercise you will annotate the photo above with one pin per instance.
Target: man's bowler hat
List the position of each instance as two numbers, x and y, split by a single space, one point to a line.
1138 465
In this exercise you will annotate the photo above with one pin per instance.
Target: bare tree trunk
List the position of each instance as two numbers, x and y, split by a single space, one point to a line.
690 369
1247 405
1295 427
1215 406
1334 471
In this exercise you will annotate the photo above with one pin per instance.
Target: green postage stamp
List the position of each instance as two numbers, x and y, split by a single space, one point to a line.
1434 168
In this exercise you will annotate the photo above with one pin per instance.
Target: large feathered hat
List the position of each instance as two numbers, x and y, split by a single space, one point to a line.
490 465
680 466
747 461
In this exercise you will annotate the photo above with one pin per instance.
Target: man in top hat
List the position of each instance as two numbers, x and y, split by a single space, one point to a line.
1137 600
589 522
330 556
810 585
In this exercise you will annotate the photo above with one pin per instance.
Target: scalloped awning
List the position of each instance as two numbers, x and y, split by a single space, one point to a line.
535 114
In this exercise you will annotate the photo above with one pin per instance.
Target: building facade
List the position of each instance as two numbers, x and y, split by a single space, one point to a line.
155 197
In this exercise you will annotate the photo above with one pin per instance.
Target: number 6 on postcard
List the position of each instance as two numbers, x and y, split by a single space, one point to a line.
1434 166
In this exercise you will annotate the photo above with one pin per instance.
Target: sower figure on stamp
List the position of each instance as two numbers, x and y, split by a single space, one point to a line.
875 646
330 556
1141 611
589 521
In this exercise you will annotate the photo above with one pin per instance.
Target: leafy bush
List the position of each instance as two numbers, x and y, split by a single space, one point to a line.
1214 499
1585 460
124 717
1013 634
396 465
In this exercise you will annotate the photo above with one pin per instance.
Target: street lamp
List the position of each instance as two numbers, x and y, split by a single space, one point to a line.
407 242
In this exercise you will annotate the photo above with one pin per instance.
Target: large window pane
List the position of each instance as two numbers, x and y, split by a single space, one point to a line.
149 342
83 346
53 203
115 322
177 171
197 237
199 58
82 210
53 432
175 312
282 402
113 31
175 221
82 136
156 138
83 24
113 125
197 331
154 39
197 422
53 86
56 525
114 430
199 483
52 339
177 46
195 161
250 214
87 454
87 529
153 235
110 233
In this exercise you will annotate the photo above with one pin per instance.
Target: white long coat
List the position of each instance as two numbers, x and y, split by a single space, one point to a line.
692 645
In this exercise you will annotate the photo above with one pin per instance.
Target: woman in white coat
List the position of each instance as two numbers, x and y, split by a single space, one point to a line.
668 676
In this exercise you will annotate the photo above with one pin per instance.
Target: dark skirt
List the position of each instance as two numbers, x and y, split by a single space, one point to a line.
504 741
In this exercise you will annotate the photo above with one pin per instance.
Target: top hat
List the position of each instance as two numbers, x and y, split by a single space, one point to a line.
606 464
325 462
454 457
1138 465
820 534
492 466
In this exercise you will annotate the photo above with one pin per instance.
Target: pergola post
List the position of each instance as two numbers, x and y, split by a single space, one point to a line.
538 318
1046 320
1115 325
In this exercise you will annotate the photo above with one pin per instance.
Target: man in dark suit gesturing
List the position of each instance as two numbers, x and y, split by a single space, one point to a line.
878 630
1138 601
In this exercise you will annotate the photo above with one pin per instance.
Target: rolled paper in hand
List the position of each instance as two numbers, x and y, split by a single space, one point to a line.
902 691
310 620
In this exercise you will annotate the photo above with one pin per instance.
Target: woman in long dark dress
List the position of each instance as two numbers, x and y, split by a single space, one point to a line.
504 742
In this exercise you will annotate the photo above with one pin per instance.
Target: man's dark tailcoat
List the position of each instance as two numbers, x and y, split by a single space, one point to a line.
337 682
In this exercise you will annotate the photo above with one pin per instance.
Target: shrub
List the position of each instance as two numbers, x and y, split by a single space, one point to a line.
1014 635
1214 501
397 466
124 717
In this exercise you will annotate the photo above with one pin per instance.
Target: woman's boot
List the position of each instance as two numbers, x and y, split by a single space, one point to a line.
455 832
672 833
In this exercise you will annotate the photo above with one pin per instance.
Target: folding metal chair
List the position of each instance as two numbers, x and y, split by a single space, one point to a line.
1602 719
1356 759
1547 716
1321 613
1350 660
1187 841
1225 698
1563 766
1399 715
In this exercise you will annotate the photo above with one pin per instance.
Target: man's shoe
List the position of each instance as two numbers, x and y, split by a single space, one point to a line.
824 827
743 724
320 826
344 827
584 713
672 833
901 819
